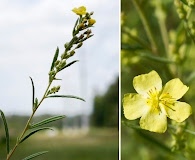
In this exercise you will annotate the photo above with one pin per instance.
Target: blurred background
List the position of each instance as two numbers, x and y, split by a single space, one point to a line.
30 32
173 59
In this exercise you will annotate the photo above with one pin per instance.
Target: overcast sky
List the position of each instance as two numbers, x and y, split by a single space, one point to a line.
30 31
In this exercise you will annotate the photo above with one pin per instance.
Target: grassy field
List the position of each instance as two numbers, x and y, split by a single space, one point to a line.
98 144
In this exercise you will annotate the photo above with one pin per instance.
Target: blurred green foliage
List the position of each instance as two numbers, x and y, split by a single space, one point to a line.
168 47
98 144
105 112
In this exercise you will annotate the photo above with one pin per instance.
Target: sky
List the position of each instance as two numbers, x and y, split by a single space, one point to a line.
30 32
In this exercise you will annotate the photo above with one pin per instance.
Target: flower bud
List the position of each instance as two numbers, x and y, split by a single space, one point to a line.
66 45
57 62
91 13
72 53
80 26
79 45
91 22
63 63
81 36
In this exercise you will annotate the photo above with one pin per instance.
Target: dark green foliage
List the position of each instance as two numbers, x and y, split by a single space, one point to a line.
106 107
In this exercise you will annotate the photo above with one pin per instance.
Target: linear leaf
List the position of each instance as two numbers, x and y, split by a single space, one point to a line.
54 58
69 64
6 130
33 93
46 121
155 58
147 137
65 96
35 155
73 31
33 132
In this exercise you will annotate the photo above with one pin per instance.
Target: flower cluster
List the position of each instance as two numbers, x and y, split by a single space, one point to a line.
182 9
154 103
85 17
80 33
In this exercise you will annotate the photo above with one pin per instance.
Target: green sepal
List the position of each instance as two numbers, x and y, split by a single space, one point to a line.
6 131
68 65
65 96
54 58
46 121
35 155
33 132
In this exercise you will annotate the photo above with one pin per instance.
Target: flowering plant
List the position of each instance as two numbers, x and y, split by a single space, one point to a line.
157 45
81 32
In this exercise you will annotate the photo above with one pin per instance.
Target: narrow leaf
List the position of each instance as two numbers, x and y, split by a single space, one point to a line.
65 96
142 133
69 64
33 132
33 93
46 121
155 58
54 58
6 130
73 31
35 155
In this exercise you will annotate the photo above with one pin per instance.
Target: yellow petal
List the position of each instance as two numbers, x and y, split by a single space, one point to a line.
154 121
175 88
91 21
145 82
179 111
80 11
134 106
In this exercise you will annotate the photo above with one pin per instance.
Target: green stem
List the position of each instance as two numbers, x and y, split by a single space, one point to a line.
146 26
164 34
28 122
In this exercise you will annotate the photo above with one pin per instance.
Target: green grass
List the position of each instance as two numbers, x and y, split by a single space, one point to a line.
98 144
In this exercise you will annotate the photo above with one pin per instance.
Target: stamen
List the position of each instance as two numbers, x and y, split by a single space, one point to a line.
169 107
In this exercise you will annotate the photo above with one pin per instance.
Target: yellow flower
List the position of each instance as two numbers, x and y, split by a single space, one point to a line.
91 21
154 103
80 11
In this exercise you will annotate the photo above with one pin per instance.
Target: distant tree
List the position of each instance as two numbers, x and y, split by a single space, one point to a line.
106 107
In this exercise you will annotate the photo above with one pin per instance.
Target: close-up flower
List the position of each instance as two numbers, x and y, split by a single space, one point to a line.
153 103
80 11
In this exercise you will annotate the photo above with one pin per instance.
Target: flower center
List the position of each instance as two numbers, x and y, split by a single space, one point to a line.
153 98
167 100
